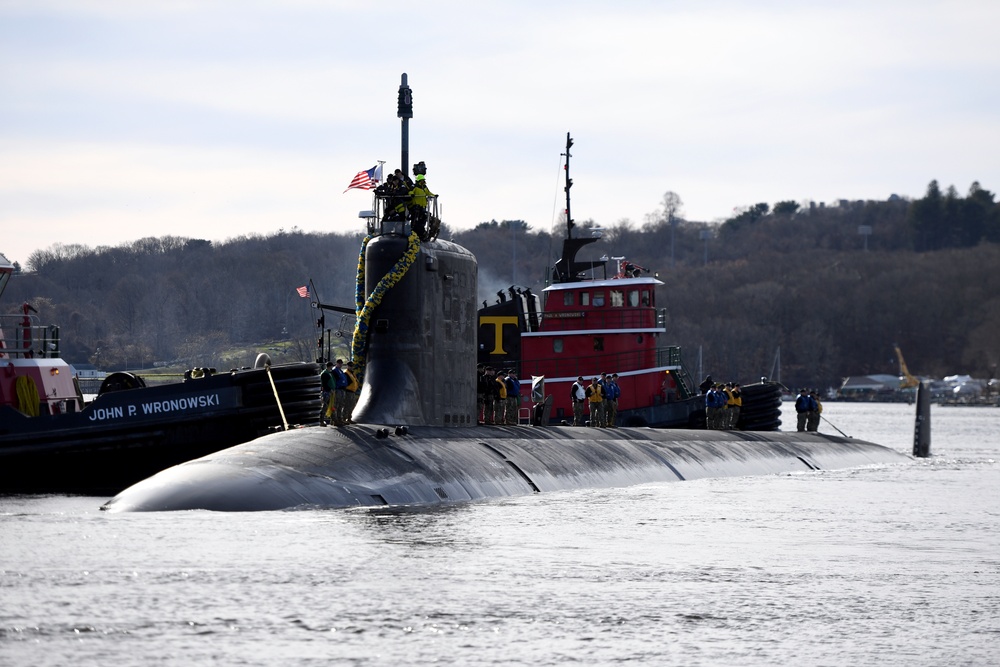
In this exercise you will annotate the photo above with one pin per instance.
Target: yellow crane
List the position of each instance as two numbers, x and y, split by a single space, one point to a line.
906 381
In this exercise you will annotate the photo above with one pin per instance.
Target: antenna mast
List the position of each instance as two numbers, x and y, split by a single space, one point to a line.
404 110
569 183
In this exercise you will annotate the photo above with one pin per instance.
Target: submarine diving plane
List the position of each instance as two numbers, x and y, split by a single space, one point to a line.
415 439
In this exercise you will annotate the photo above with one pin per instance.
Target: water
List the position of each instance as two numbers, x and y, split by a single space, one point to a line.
895 565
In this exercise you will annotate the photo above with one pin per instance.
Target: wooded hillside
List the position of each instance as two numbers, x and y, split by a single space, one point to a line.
798 277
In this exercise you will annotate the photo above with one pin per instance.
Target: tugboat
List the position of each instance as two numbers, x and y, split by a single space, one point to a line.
53 441
588 323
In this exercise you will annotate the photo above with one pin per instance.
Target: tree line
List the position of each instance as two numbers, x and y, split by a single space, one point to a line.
836 287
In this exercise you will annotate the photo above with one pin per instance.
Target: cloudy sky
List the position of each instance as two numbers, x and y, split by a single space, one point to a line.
213 119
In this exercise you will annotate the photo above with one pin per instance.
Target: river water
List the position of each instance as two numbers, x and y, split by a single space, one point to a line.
892 565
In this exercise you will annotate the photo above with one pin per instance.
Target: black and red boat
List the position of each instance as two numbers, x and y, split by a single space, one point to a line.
54 441
593 318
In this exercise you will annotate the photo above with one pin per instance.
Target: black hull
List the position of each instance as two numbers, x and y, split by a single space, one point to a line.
689 413
356 466
761 411
125 436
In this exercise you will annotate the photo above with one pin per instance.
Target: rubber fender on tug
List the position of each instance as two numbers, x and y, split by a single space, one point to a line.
760 389
298 387
761 409
119 381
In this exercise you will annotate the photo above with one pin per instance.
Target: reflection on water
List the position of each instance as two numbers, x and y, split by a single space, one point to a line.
438 526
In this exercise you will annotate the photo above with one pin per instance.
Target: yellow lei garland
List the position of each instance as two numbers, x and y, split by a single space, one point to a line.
365 308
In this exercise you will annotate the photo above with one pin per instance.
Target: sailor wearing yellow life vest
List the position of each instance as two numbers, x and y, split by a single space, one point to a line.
596 395
734 401
351 392
499 398
418 206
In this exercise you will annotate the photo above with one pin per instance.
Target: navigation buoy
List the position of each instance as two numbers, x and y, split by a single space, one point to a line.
922 428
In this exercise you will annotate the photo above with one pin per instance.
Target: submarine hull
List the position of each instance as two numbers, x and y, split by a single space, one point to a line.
336 468
420 352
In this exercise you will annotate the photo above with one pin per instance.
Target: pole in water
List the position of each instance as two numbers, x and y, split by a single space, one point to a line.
922 427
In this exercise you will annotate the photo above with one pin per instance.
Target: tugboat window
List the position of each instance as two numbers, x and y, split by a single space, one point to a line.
598 343
645 298
557 345
584 298
567 298
598 298
617 298
633 298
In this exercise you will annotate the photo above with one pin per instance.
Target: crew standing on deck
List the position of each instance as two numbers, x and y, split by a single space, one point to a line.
594 393
352 390
735 406
605 392
812 421
727 396
499 398
715 407
339 393
489 387
578 395
611 409
327 385
513 398
482 389
803 406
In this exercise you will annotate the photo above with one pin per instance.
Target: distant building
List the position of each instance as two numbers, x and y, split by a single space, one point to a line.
89 378
869 387
87 371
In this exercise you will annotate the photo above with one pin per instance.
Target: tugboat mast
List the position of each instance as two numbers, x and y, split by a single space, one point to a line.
567 269
569 184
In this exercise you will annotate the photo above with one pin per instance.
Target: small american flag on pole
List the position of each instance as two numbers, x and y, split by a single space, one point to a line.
367 179
303 291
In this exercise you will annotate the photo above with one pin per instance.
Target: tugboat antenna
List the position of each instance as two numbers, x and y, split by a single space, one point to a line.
569 184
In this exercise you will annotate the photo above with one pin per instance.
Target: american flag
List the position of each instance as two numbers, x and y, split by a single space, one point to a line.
367 179
303 291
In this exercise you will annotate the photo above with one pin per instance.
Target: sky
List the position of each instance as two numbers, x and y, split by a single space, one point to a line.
214 119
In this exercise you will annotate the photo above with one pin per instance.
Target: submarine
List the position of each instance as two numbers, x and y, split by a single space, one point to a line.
415 438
